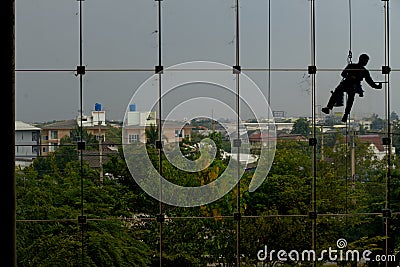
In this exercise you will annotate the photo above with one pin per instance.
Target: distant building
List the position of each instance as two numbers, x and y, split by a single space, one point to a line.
292 137
285 127
52 134
279 115
27 143
366 124
258 139
95 159
171 132
376 145
137 122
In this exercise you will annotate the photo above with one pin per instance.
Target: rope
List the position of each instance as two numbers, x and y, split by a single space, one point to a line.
387 113
349 61
350 55
346 166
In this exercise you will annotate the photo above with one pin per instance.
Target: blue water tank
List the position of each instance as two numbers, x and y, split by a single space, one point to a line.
97 107
132 107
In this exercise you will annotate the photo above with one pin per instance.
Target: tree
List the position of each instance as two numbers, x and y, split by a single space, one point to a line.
394 116
217 138
377 123
114 134
302 127
151 134
57 241
331 120
276 214
396 136
90 139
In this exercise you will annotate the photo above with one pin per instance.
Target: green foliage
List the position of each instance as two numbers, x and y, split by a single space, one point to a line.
331 120
122 230
396 136
57 202
151 134
394 116
302 127
114 134
377 124
217 138
81 134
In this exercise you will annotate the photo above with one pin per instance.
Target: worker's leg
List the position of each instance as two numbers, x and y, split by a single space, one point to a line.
349 105
337 94
334 97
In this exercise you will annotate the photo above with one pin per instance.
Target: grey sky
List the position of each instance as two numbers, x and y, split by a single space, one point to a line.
119 35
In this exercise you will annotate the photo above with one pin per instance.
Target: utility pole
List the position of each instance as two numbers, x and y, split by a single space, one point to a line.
322 143
100 148
353 156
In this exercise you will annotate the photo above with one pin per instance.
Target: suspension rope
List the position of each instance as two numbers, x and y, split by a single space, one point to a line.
350 55
346 166
388 137
349 61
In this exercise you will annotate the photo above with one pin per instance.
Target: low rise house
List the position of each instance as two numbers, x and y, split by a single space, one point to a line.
171 132
376 145
52 133
27 143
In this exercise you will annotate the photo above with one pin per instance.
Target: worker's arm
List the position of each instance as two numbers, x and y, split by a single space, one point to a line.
371 82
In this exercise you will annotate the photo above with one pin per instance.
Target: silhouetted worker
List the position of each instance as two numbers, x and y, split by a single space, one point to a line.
352 75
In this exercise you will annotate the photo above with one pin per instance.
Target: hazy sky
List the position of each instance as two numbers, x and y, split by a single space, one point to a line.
120 42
